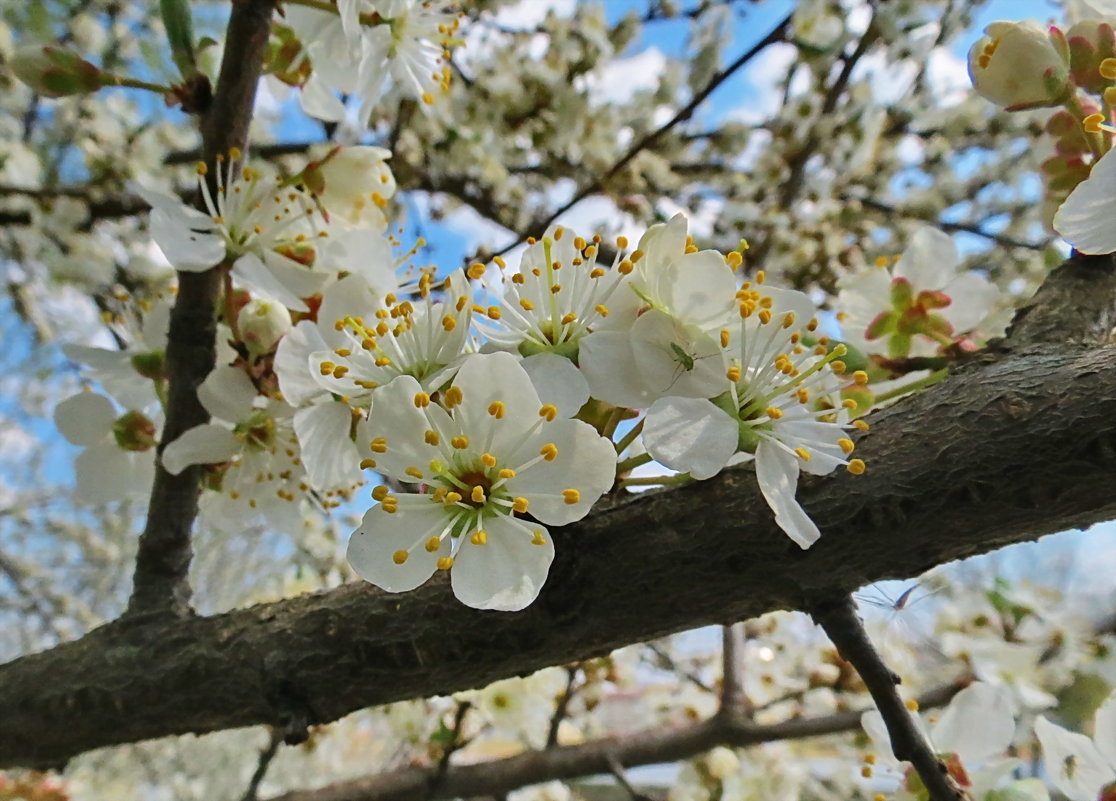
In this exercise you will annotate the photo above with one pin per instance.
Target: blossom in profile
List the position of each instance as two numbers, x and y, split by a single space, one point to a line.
1085 217
491 467
1082 768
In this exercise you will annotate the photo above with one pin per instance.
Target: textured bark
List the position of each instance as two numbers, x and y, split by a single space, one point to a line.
1000 452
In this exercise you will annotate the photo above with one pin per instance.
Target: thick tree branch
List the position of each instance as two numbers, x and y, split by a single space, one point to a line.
163 561
1000 452
648 747
839 620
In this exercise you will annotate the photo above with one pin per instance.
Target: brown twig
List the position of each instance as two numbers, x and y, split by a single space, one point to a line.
267 754
846 631
561 708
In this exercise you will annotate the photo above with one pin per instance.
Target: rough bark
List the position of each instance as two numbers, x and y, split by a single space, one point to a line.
1000 452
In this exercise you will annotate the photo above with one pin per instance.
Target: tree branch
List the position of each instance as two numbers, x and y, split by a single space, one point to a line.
161 582
839 620
1000 452
647 747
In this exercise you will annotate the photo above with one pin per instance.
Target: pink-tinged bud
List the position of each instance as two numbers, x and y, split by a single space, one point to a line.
261 324
134 432
55 72
1018 65
1090 43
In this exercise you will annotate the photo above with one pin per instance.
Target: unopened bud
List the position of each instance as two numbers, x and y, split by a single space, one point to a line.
134 432
150 365
1018 65
55 72
262 323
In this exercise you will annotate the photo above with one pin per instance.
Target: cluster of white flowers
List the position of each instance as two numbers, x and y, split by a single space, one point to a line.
370 49
485 402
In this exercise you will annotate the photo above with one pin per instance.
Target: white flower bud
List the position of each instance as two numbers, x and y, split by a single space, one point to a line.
262 323
721 763
1018 65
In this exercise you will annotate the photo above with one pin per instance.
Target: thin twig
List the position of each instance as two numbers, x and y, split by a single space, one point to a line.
454 745
617 771
777 34
949 227
733 697
563 705
839 620
267 754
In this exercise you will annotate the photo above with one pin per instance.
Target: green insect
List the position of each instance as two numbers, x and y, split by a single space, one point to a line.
685 359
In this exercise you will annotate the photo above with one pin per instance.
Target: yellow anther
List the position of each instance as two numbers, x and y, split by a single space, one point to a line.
860 377
761 276
866 771
733 259
340 370
343 352
788 319
856 467
493 312
367 464
912 705
571 496
414 472
622 242
549 451
506 473
733 374
452 397
849 403
625 267
399 557
568 318
519 505
378 445
496 409
479 537
433 544
838 367
383 361
453 497
431 437
449 323
601 309
549 411
870 759
526 304
445 562
477 495
460 442
555 289
802 394
422 400
488 459
326 368
724 337
538 539
765 316
802 454
1093 123
846 445
861 424
773 412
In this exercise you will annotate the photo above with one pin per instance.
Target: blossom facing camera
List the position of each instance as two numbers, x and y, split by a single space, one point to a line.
1018 65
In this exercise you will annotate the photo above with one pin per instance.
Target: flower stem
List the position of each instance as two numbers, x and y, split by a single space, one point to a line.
922 383
677 478
633 462
136 83
629 438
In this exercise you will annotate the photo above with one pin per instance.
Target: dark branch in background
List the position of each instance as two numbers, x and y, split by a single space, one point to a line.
949 227
561 707
618 773
161 583
840 622
646 747
953 471
537 228
267 754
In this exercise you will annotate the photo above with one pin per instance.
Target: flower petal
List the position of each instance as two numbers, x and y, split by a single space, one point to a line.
85 419
1085 218
227 394
106 473
204 444
977 724
508 571
1104 730
327 451
690 435
558 382
777 473
373 546
930 259
292 363
1072 760
608 364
